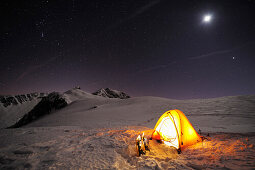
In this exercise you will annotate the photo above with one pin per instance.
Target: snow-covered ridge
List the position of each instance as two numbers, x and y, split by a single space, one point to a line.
19 99
53 101
44 105
13 107
110 93
76 94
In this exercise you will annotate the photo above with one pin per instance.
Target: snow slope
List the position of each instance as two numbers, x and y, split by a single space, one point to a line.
114 148
94 132
12 108
226 114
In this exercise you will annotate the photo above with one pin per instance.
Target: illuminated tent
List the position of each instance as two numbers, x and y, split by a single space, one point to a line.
174 129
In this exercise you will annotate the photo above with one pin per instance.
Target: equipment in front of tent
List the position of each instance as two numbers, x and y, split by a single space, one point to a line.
139 146
142 145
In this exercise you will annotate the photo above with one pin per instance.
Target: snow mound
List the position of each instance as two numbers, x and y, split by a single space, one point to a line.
107 92
77 94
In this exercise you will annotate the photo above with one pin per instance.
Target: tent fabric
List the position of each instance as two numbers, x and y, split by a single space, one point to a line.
174 129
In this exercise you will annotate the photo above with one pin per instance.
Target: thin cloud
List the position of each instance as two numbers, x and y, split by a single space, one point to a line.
220 52
137 12
161 66
210 54
34 68
156 67
2 84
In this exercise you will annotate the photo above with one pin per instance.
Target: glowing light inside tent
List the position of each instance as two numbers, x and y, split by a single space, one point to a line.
167 130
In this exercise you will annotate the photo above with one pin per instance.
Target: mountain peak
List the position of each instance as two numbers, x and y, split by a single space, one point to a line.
110 93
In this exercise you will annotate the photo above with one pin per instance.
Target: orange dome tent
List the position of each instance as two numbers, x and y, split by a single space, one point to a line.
174 129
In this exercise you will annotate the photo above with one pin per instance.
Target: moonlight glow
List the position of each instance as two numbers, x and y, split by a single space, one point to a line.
207 18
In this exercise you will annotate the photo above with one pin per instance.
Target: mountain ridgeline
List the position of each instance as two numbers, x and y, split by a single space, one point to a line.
9 100
26 108
53 101
109 93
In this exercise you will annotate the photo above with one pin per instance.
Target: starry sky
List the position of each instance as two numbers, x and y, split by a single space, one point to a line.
147 47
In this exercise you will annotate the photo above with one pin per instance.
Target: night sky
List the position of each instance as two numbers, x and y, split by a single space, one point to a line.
159 47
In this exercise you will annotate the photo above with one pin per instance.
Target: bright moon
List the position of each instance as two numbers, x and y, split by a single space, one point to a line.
207 18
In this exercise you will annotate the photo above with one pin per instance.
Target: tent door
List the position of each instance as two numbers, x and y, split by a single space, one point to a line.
168 132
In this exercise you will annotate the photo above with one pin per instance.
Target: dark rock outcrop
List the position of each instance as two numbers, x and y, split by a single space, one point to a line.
107 92
19 99
52 102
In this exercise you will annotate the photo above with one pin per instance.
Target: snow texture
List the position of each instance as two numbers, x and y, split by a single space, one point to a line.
95 132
